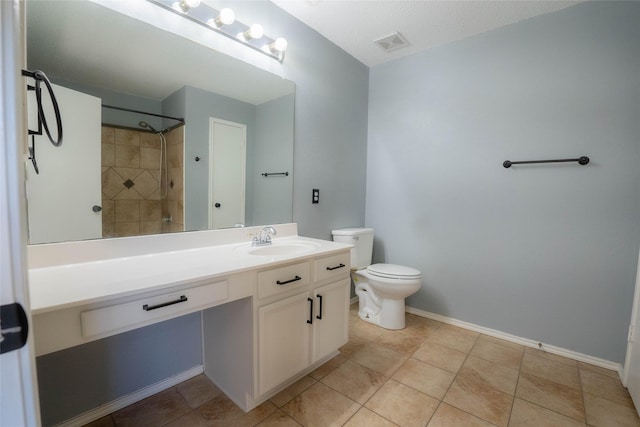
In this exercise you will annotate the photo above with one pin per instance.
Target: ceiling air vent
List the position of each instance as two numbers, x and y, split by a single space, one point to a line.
392 42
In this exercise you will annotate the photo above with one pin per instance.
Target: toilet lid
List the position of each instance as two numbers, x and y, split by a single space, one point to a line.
392 271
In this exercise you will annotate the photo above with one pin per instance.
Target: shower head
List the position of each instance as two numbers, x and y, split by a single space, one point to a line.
144 124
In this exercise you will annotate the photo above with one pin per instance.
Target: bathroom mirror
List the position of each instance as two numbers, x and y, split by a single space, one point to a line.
131 64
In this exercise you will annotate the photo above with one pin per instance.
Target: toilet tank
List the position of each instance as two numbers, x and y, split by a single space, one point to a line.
362 239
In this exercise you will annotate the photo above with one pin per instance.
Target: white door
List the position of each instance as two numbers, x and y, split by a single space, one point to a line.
18 389
60 199
227 156
632 362
330 323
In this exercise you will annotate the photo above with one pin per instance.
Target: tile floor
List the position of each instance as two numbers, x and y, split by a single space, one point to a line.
429 374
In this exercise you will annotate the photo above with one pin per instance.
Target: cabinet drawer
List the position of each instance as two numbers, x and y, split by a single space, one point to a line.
332 267
102 320
282 279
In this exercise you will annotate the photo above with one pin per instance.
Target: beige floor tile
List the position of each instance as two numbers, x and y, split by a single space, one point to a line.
551 395
364 329
328 367
526 414
420 326
198 390
551 369
367 418
191 419
355 381
492 374
605 413
605 387
494 352
473 391
402 405
550 356
321 406
279 419
452 337
355 343
380 359
501 342
158 409
597 369
448 416
292 391
221 411
443 357
424 377
399 341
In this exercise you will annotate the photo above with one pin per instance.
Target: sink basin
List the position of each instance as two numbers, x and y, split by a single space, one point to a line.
281 248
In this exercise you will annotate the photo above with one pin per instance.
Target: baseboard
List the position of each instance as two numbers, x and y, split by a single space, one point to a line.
607 364
129 399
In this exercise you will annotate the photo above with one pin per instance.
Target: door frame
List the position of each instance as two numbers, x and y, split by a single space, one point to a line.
18 387
212 122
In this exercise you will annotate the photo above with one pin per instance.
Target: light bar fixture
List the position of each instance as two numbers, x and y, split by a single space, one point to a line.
224 22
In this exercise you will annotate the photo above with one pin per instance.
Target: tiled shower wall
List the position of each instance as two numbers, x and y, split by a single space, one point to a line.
131 202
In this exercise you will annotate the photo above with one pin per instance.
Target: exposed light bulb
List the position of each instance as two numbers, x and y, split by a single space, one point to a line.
226 17
254 32
280 45
185 5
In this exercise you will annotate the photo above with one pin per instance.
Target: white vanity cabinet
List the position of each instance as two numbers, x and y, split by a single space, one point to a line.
268 317
308 324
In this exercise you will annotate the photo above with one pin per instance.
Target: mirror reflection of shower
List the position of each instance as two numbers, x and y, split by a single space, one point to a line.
162 189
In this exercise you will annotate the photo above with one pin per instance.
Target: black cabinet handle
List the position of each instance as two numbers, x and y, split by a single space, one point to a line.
295 279
310 321
336 267
148 307
217 205
319 316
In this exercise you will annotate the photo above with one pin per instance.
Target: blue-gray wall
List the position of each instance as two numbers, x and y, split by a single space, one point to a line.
79 379
545 252
272 153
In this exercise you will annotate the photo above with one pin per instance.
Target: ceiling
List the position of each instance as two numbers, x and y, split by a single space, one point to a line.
355 24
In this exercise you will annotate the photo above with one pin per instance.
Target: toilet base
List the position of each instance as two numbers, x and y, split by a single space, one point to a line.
390 316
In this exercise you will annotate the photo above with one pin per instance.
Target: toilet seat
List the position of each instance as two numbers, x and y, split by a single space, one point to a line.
394 271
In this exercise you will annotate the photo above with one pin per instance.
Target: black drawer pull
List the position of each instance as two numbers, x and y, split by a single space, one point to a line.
336 267
148 307
310 320
319 316
295 279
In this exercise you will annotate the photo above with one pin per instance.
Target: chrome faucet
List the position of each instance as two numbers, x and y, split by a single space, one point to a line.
264 238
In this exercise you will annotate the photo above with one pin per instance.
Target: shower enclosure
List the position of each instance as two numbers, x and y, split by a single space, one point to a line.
142 180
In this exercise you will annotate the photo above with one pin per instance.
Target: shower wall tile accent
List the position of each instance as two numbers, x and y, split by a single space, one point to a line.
131 202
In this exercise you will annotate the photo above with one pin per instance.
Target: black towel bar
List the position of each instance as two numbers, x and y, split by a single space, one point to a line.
268 174
581 160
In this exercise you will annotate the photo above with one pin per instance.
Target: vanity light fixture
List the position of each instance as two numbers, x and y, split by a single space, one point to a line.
224 22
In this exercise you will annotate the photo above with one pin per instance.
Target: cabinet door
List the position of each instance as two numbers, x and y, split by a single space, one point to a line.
331 318
284 340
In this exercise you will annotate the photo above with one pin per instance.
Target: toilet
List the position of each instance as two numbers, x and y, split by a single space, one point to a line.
381 288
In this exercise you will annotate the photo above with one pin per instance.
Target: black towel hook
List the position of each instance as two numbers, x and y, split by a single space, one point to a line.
40 76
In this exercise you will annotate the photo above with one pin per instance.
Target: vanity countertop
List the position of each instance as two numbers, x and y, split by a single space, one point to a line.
56 287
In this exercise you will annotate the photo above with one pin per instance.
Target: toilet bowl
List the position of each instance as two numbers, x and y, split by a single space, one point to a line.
381 288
